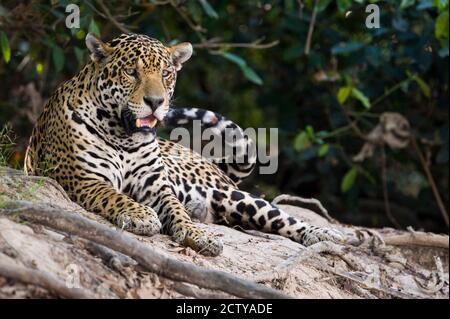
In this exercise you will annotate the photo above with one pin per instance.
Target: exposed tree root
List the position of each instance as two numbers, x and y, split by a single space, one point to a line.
153 261
300 201
42 279
417 239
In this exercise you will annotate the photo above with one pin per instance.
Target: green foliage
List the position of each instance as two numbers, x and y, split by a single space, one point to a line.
249 73
4 43
349 179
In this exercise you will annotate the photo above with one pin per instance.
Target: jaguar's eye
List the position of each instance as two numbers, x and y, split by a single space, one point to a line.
132 72
165 73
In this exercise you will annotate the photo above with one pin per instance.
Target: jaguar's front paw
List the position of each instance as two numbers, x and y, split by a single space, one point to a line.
145 222
198 239
313 235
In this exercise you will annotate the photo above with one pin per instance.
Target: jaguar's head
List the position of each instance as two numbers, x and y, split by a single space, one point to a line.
136 77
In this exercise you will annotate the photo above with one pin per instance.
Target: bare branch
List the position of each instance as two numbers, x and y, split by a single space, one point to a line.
431 181
208 44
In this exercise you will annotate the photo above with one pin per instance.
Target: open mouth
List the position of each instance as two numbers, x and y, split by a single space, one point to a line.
132 124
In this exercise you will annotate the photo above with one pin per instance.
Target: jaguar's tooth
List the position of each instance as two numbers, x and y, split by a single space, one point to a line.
138 123
153 122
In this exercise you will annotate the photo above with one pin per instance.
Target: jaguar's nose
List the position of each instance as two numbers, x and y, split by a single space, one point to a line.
154 101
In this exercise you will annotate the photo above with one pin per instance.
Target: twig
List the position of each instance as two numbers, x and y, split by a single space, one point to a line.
41 279
431 181
257 233
437 280
198 29
311 28
282 270
366 285
390 91
207 44
300 9
387 206
299 201
149 258
113 20
193 291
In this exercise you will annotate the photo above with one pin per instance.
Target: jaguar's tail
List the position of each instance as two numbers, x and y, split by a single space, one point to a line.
242 160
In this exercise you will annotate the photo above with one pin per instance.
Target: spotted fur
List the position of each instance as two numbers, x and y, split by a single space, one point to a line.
85 139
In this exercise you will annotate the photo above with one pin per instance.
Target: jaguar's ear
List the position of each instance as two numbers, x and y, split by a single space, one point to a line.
99 50
180 54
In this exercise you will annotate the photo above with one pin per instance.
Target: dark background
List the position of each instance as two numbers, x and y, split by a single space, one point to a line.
252 63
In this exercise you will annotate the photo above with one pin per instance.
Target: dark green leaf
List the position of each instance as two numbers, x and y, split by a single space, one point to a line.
58 57
248 72
251 75
93 27
346 47
209 9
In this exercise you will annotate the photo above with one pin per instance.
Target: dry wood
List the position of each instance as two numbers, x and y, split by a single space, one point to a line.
149 258
40 278
300 202
113 259
195 292
282 270
417 239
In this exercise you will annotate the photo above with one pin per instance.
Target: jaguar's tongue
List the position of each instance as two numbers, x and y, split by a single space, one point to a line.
149 121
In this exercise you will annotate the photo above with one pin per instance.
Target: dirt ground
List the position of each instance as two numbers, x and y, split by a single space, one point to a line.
367 266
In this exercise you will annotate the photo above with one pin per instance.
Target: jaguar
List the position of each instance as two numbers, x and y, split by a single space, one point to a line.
96 136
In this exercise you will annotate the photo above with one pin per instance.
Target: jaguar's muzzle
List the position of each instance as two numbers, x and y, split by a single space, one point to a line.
131 124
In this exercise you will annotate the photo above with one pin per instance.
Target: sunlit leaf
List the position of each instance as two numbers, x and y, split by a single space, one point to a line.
39 68
6 50
360 96
441 27
310 131
441 4
302 142
349 179
323 150
343 94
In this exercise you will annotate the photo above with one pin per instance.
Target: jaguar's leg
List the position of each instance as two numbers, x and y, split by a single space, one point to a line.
102 198
248 211
175 218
